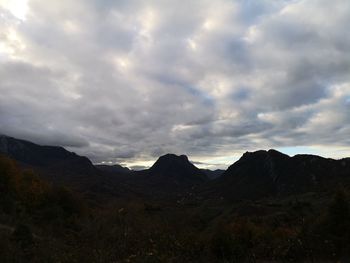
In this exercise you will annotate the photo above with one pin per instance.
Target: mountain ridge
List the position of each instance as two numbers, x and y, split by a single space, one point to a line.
255 175
264 173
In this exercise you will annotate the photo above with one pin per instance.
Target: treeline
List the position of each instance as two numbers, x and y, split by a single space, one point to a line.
310 237
31 212
23 193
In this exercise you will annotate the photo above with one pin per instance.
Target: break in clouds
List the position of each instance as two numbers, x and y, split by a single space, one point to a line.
126 81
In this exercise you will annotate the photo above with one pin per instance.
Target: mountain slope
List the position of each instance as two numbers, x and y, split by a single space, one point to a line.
170 176
176 168
54 163
43 156
213 174
113 169
269 173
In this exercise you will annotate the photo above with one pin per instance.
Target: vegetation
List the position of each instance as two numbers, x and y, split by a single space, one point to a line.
44 223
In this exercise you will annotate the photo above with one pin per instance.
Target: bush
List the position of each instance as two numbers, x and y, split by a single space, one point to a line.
235 242
9 177
332 232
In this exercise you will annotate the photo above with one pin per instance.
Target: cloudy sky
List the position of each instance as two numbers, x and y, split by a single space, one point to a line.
126 81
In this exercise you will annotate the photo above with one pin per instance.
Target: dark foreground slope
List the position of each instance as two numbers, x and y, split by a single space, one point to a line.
43 223
271 173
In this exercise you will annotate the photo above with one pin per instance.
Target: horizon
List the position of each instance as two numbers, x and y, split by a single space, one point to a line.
125 82
198 164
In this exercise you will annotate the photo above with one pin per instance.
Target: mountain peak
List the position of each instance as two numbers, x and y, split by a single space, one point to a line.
174 157
176 166
171 161
267 173
264 152
275 152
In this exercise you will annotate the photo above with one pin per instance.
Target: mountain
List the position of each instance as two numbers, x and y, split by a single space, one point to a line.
44 156
213 174
52 162
271 173
177 169
113 169
255 175
170 176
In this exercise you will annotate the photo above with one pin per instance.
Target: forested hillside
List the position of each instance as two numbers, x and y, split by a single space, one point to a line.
41 222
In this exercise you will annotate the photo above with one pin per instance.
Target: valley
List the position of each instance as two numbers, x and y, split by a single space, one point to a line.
57 206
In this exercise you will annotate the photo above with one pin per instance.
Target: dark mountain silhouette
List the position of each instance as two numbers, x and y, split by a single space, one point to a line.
53 163
213 174
270 173
113 169
170 173
170 176
44 156
255 175
176 168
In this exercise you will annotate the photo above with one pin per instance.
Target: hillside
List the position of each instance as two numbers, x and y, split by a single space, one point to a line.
55 206
271 173
59 166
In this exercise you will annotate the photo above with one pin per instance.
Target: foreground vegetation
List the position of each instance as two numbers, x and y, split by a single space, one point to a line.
44 223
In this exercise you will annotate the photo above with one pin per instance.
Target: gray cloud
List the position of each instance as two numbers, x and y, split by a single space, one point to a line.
127 81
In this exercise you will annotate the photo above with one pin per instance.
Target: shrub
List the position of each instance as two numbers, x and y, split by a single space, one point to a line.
9 177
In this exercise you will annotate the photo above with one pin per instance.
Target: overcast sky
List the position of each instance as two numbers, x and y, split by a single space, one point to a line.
127 81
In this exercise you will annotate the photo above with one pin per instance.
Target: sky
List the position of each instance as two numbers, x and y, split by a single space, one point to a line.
126 81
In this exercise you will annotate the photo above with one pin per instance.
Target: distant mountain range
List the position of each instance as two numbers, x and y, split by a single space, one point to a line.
113 169
255 175
213 174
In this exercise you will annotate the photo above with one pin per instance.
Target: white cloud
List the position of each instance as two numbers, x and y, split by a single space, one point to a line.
130 80
18 8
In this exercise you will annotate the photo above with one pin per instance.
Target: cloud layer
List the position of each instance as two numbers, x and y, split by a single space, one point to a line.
126 81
